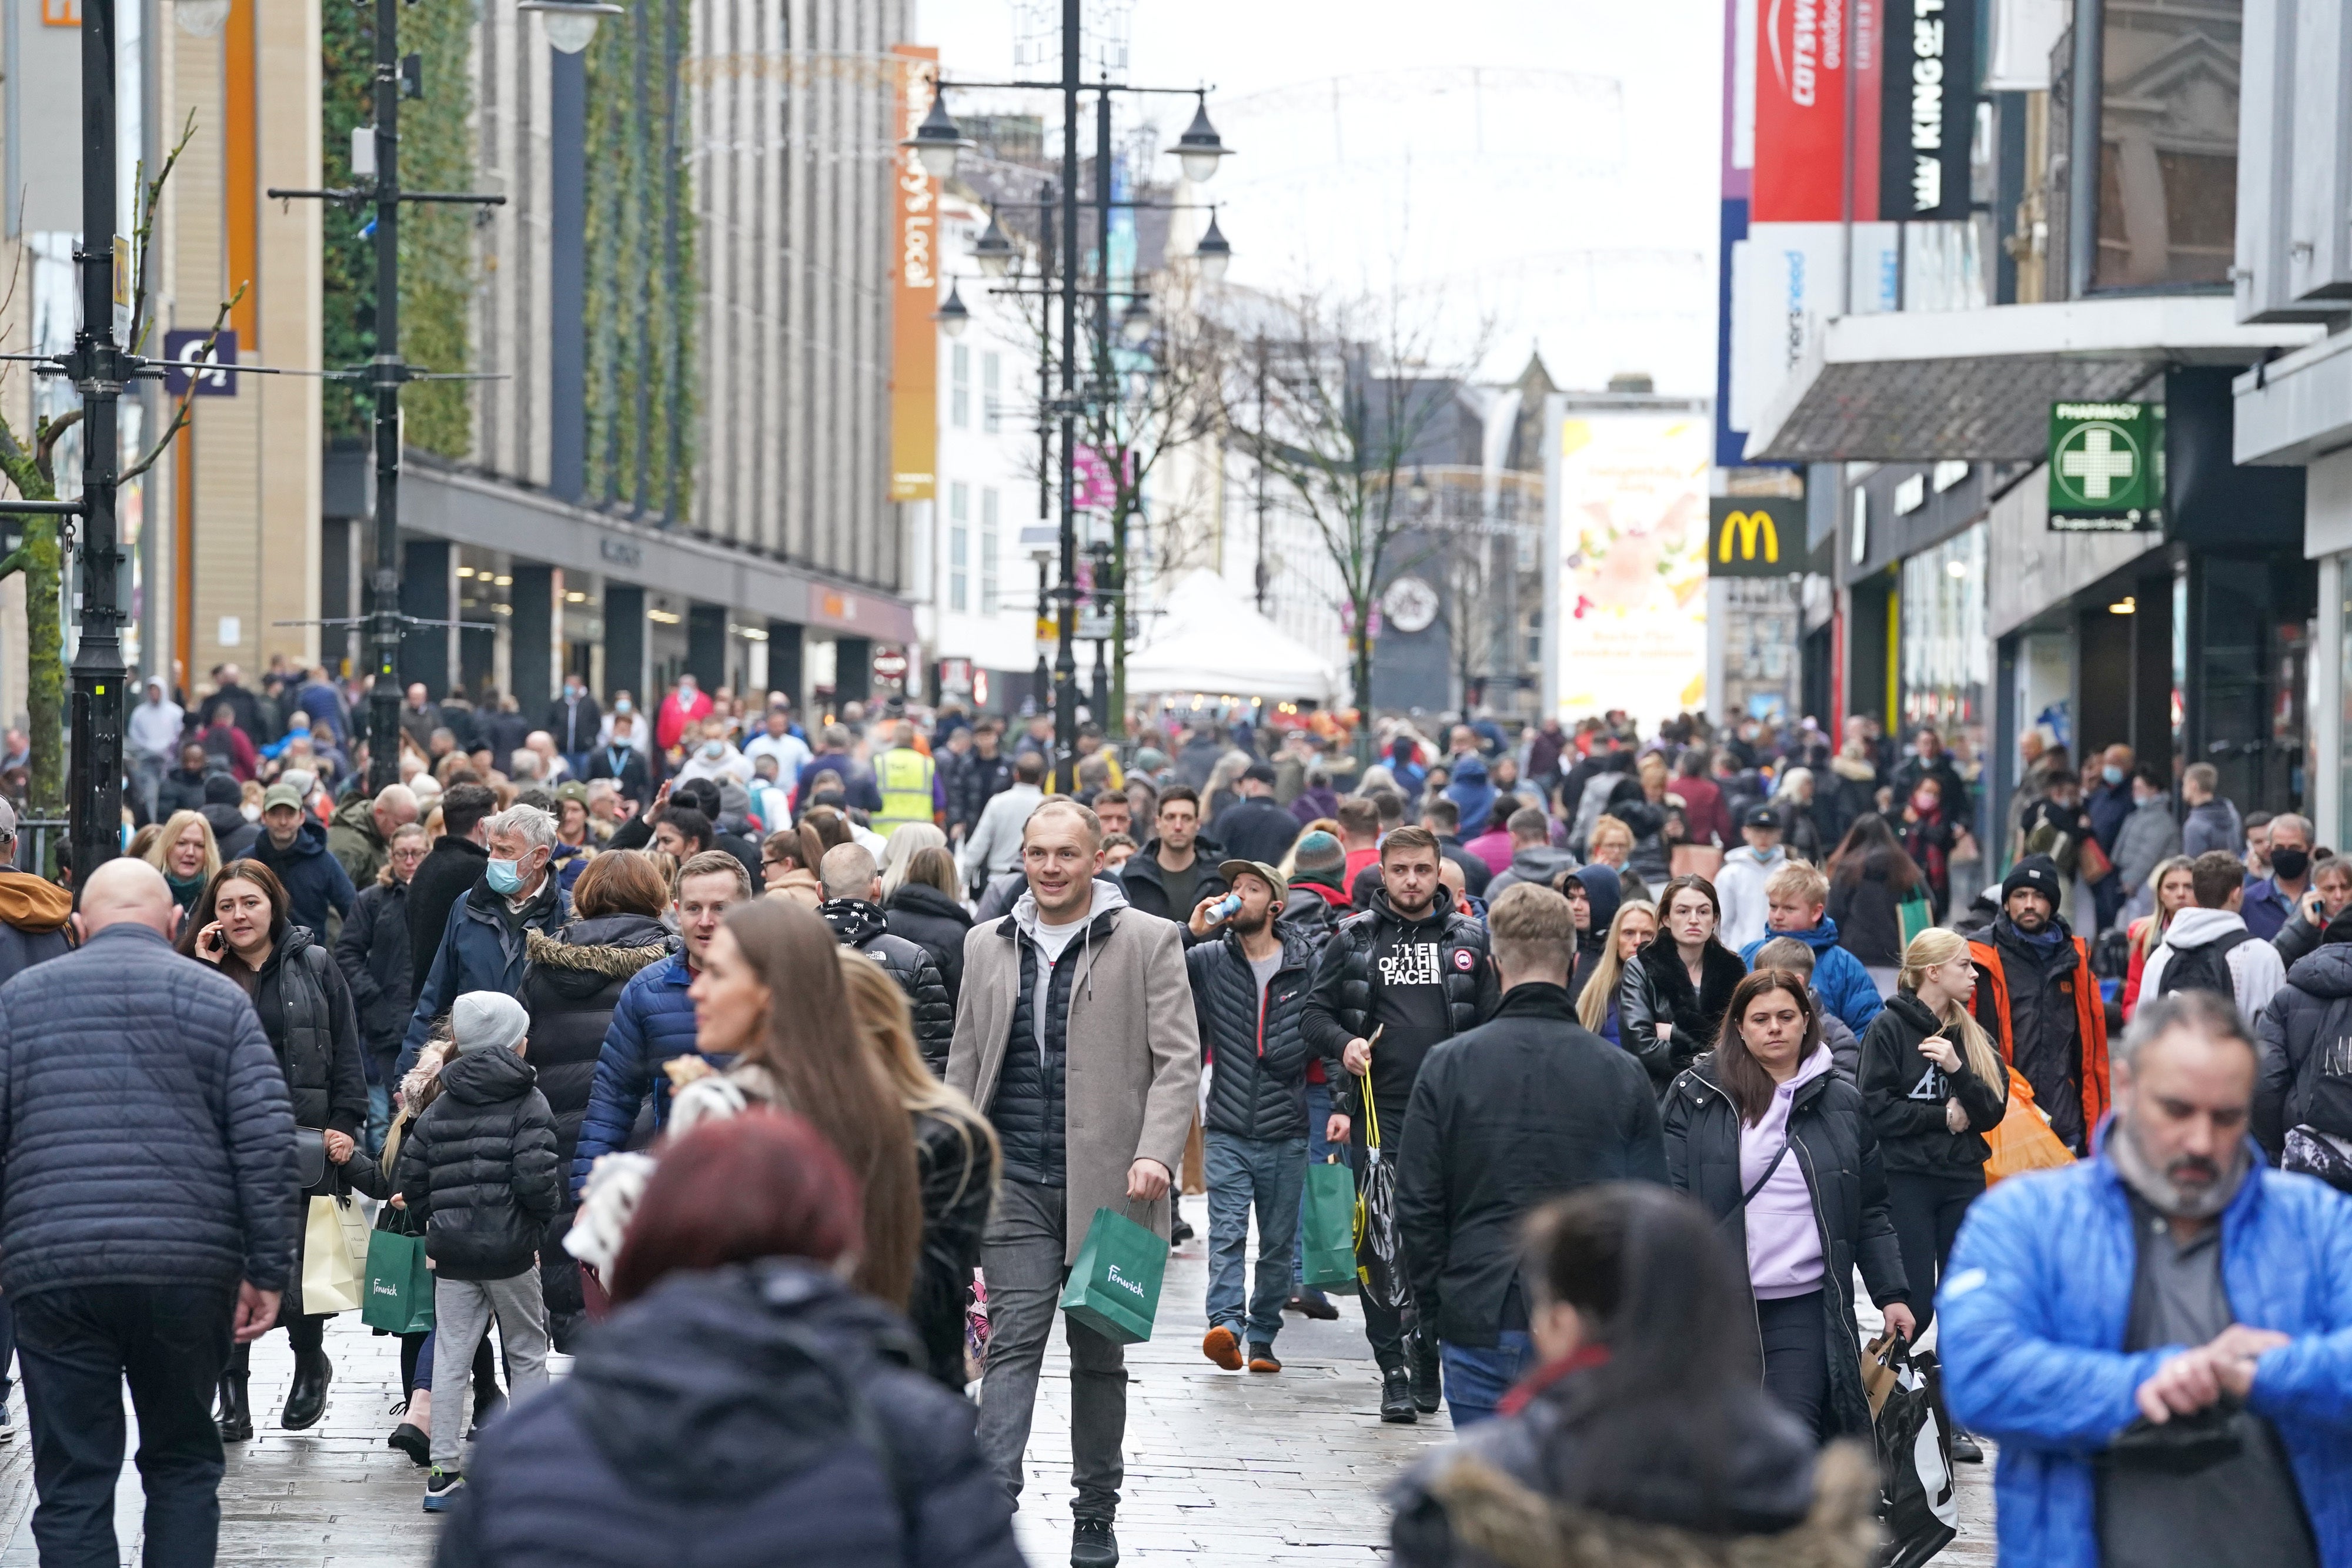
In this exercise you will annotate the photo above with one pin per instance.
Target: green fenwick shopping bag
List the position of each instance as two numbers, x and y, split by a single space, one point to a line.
1326 1233
1114 1286
1916 915
398 1298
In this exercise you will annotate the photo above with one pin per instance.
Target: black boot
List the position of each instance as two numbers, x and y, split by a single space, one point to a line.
1425 1383
236 1419
1093 1544
306 1401
1396 1396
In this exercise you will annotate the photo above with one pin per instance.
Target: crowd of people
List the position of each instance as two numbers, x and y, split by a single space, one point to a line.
775 1074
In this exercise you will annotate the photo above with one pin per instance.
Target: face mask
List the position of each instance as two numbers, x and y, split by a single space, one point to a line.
714 750
1924 801
571 692
2290 863
250 813
622 706
504 876
2112 775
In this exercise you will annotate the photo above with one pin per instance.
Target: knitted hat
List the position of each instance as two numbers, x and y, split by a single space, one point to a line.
1318 850
482 1019
2039 872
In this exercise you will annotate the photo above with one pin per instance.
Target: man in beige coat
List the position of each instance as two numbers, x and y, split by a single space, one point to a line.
1074 1035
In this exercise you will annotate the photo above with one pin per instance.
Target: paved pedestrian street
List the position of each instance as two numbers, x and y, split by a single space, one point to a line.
1222 1468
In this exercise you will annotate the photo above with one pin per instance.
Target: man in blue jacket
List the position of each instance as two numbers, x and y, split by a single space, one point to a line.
484 942
149 1213
293 843
1795 897
653 1020
2160 1337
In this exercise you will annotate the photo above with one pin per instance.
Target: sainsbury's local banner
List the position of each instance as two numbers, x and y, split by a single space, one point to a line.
1632 527
914 290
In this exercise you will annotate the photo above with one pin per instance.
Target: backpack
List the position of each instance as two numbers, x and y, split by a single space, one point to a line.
2205 968
2328 1105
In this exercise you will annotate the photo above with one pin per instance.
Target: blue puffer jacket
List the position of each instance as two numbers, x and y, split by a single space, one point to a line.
1838 979
2033 1311
652 1022
765 1413
480 950
146 1136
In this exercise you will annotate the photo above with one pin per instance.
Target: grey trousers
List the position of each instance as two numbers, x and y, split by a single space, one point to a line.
462 1310
1021 1261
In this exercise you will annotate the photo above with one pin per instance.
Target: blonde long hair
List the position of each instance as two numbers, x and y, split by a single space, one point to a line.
883 1019
1593 1006
2152 928
159 853
1938 946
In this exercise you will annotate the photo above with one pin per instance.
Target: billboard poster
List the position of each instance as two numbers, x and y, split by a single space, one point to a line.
1800 151
1928 108
914 290
1632 526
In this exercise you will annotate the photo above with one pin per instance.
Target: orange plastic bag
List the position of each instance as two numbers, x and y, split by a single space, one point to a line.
2024 1142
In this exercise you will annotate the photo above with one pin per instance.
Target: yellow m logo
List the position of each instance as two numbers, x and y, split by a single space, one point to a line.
1748 523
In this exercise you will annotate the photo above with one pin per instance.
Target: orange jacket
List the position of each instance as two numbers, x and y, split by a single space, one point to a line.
2090 1019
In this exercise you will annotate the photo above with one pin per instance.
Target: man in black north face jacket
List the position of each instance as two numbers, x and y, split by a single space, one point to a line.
1249 981
852 907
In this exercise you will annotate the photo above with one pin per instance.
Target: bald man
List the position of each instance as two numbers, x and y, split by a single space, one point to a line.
149 1212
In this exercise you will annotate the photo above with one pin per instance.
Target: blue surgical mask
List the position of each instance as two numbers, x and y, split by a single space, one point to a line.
623 706
714 750
2112 775
505 877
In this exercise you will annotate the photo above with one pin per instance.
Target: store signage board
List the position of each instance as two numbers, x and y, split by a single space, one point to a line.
2106 467
1755 536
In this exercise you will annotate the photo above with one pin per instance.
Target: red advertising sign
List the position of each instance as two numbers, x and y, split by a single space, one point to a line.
1800 68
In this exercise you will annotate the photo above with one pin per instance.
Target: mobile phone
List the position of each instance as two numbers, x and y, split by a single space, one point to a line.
214 942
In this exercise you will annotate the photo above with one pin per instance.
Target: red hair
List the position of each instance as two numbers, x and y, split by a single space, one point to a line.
761 1184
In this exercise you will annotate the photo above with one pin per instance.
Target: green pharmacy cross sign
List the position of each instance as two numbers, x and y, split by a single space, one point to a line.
2106 467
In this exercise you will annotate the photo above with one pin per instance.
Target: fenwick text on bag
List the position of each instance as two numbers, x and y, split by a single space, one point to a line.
1114 1286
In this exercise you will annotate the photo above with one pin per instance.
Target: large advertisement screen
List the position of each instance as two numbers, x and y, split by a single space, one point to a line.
1632 529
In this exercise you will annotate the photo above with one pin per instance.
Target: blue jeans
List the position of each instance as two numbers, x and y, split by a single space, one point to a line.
1477 1376
1271 1174
1318 1111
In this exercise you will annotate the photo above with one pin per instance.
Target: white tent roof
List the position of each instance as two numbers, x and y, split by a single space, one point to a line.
1211 639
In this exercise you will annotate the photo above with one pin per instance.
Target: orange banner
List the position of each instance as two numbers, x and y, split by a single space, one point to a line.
915 291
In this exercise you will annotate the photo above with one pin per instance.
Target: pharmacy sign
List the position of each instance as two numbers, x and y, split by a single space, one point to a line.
2106 467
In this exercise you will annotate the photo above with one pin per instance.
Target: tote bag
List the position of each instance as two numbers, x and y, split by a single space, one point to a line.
1326 1233
331 1271
1114 1286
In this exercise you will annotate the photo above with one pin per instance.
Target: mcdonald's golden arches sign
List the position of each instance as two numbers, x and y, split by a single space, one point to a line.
1755 536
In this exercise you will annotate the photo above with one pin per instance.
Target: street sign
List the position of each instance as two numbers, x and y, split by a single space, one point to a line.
889 664
1755 536
185 349
2106 467
955 675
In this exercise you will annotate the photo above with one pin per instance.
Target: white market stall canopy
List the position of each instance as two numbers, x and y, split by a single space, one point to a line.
1210 639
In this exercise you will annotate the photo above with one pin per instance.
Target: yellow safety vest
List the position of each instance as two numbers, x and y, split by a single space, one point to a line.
904 776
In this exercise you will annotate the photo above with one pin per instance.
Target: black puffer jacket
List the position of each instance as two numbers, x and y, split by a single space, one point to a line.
938 924
305 1010
2310 1013
1340 1002
1257 1086
1656 988
1905 1093
738 1409
859 924
958 1172
1831 1140
1140 879
478 1168
574 979
374 954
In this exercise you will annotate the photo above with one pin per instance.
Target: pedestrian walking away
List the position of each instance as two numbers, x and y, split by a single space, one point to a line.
1413 972
2156 1335
2209 947
1075 1037
1504 1118
1249 975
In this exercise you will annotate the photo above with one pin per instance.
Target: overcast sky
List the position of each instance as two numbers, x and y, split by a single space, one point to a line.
1544 169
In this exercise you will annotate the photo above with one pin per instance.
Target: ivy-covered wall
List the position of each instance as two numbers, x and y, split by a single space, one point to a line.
436 248
643 407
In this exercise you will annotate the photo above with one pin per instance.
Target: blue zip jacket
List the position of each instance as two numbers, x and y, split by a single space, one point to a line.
1845 986
652 1022
2034 1305
478 952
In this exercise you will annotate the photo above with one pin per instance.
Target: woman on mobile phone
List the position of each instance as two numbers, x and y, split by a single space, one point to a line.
239 924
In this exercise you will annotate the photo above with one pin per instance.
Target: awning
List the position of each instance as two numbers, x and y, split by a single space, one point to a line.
1211 639
1915 386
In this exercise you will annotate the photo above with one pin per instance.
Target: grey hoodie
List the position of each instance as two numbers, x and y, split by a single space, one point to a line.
1107 896
1537 863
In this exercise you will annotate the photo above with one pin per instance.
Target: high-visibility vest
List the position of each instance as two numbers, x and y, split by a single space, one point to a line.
904 776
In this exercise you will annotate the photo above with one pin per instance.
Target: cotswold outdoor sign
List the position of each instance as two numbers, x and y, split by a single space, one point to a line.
1755 536
2106 467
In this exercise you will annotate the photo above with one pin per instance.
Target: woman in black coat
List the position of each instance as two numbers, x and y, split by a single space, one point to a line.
925 909
1774 1144
1870 878
569 988
1672 993
373 952
240 926
740 1396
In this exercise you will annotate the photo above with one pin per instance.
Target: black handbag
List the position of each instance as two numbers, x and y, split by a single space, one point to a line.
309 1158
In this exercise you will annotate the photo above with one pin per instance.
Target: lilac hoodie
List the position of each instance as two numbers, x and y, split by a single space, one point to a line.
1784 1242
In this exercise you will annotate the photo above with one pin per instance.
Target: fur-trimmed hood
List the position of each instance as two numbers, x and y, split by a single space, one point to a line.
580 959
1496 1517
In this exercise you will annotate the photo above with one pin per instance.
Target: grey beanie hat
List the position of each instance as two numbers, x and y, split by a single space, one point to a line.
488 1019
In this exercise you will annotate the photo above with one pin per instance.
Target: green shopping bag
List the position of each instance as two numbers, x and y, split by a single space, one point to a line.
399 1294
1326 1235
1915 914
1114 1286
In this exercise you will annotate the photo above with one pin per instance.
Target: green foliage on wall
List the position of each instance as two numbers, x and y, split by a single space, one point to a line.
436 248
643 407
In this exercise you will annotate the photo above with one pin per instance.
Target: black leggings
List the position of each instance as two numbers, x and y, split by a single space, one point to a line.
1795 1337
308 1335
486 1366
1927 1210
